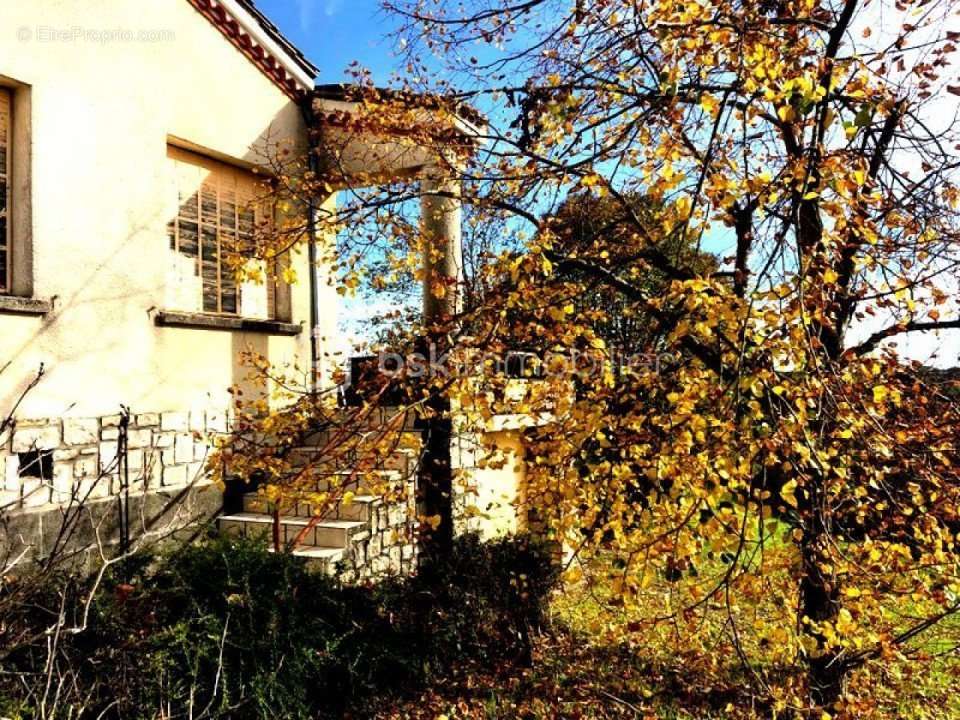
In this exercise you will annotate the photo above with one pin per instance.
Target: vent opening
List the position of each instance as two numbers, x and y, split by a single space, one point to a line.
36 464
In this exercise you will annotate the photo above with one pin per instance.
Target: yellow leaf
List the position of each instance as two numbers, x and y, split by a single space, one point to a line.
844 622
880 393
787 493
709 103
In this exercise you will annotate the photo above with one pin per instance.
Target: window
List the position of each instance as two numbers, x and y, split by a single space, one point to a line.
4 190
216 219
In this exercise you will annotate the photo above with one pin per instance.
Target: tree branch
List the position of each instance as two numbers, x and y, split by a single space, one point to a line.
871 342
708 356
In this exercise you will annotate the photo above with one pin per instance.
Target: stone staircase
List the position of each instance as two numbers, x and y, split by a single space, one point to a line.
358 534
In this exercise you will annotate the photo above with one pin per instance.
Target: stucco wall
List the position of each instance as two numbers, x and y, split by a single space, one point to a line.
489 483
101 115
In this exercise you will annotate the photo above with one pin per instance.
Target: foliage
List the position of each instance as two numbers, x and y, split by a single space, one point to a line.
784 463
789 459
586 224
226 629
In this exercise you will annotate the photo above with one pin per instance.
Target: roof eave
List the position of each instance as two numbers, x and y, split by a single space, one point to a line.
473 120
262 42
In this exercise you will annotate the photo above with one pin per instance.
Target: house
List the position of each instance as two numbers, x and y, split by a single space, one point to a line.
132 137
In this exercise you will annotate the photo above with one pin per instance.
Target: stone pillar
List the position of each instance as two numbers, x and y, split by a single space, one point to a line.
440 219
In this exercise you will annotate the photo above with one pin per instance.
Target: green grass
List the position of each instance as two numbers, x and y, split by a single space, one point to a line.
597 662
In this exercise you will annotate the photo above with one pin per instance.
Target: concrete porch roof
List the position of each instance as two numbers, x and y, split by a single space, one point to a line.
415 135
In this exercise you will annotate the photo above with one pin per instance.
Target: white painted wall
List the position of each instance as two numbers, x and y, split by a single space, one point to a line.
101 115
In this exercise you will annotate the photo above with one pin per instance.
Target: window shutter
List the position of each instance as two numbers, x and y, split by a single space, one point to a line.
215 221
228 246
272 288
4 189
274 266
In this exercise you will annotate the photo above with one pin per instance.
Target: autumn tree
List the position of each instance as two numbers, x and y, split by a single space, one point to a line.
793 472
813 144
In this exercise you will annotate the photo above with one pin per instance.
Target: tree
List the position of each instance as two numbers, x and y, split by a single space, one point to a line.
789 459
815 140
585 224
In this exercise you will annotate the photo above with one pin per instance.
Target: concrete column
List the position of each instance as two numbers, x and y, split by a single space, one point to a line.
440 215
440 219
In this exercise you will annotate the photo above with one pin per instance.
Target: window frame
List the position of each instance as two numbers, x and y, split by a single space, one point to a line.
217 171
18 295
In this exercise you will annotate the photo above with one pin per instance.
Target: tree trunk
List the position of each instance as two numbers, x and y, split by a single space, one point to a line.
437 484
819 595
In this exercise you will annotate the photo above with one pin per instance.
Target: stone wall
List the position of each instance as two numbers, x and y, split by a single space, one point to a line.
167 493
69 470
389 547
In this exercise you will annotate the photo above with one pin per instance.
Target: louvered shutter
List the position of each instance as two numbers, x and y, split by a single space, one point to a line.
216 216
4 189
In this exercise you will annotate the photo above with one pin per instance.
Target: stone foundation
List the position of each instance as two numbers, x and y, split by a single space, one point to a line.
66 485
84 534
79 494
164 450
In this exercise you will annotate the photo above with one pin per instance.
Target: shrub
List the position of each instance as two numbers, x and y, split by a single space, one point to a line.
226 629
482 602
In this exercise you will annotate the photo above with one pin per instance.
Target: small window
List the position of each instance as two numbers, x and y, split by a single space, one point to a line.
36 464
217 219
5 259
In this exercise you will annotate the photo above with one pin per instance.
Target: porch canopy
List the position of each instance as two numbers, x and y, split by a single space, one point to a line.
368 136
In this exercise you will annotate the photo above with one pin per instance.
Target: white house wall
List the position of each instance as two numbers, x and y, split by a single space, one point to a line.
102 111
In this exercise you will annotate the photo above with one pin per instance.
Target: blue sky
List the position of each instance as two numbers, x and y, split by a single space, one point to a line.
333 33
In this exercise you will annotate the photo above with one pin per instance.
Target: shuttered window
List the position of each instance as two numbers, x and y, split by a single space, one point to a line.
216 220
4 190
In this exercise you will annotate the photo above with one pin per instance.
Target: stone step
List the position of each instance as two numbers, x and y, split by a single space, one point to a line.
321 480
323 533
351 426
376 418
403 460
318 559
358 482
358 509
